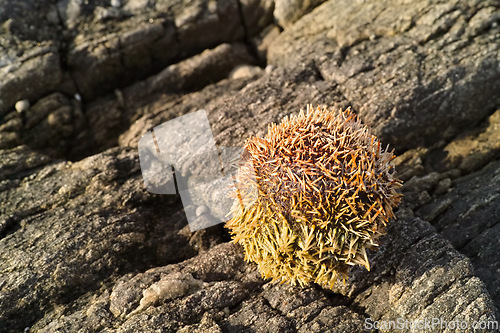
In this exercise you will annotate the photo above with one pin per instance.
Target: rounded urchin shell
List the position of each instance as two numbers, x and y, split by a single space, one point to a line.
312 196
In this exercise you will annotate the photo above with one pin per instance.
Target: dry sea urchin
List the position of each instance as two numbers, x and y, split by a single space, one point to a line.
312 196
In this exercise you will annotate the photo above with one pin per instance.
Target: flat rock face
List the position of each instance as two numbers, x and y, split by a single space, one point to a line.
84 247
417 71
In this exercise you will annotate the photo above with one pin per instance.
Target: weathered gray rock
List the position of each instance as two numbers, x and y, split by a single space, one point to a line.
63 224
417 275
49 126
417 71
15 162
468 216
118 114
29 76
168 31
85 248
92 48
410 247
472 149
288 12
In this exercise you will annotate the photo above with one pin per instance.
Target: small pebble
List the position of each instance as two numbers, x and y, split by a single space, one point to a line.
245 71
201 210
22 105
116 3
269 69
78 97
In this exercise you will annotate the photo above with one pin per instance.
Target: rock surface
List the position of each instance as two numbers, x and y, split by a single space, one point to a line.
85 248
401 64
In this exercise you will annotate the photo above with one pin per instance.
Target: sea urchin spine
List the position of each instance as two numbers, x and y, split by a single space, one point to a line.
312 196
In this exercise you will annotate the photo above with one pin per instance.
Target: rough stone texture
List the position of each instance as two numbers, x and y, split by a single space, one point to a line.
111 115
92 47
32 75
417 71
469 217
288 12
85 248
